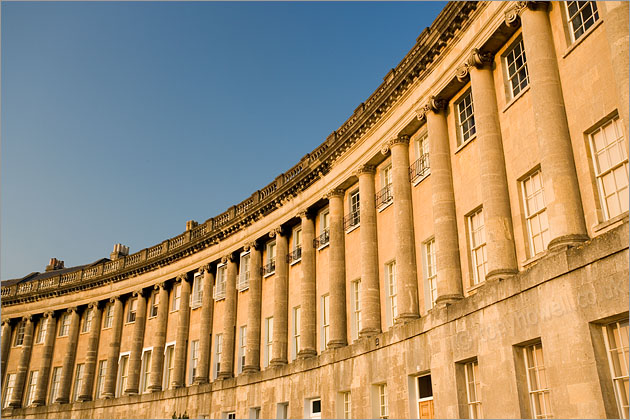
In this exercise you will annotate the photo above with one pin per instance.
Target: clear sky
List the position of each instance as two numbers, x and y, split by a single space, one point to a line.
122 120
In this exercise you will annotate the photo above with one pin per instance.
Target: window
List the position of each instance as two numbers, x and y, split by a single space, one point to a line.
19 334
270 265
347 405
54 384
616 338
296 331
465 119
219 290
354 217
610 160
218 348
254 413
314 408
194 360
424 389
420 168
100 379
123 374
430 272
296 254
581 15
325 320
282 411
268 340
392 304
383 409
31 387
155 301
356 308
471 370
324 231
230 415
131 312
537 381
242 346
109 316
41 332
384 197
65 325
145 371
197 291
78 381
516 66
8 390
169 365
477 236
87 320
177 296
243 276
535 213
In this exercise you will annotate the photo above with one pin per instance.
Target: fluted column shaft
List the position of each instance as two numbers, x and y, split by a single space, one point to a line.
109 389
449 273
281 301
370 298
497 214
252 352
308 298
207 309
70 355
183 324
562 193
135 358
6 347
91 355
46 360
157 355
229 321
337 271
23 362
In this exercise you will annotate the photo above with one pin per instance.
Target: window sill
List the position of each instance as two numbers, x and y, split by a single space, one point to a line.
323 246
195 307
514 99
129 322
295 262
473 289
463 145
269 274
173 310
610 222
582 38
151 317
107 328
353 228
384 206
533 259
217 299
242 289
419 180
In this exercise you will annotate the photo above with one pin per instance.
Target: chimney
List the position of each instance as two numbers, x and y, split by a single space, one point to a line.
54 264
191 224
119 252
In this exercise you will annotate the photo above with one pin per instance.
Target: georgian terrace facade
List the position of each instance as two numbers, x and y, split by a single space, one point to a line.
457 248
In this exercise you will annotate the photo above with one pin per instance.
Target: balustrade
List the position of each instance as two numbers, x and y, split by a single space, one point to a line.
384 196
420 168
351 220
295 255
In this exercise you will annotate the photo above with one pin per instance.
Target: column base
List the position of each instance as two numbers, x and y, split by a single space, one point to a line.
62 401
15 404
248 369
130 392
224 375
307 353
567 241
277 362
84 398
200 380
404 318
501 274
446 300
369 332
335 344
38 403
155 388
108 396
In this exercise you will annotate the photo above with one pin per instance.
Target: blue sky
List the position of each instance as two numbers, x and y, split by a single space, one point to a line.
122 120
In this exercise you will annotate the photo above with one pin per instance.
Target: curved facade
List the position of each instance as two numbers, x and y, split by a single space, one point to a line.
457 248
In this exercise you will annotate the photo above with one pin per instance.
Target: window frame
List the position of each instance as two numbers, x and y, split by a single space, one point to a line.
100 378
176 297
87 320
617 380
430 272
297 319
196 297
131 310
244 271
64 327
471 132
122 376
20 331
79 372
218 350
220 282
268 340
242 348
570 29
31 387
270 259
42 329
532 393
109 316
169 365
505 58
473 385
193 361
355 304
9 388
325 319
475 248
536 214
392 292
155 301
145 370
55 382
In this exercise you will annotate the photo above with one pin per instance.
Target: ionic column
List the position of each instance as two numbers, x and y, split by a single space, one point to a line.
616 27
497 214
135 358
308 298
207 309
370 287
281 300
337 271
23 362
157 355
91 354
229 320
449 273
183 323
252 351
109 389
67 368
562 194
46 361
6 346
405 247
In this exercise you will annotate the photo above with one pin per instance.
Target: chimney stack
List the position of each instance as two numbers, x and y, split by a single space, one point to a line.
54 264
191 224
119 252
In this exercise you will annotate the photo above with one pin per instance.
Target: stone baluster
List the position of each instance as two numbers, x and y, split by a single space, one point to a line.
6 346
46 359
183 324
157 355
252 351
135 357
281 300
497 213
337 271
91 355
562 193
109 389
23 363
370 298
207 310
67 368
308 298
229 319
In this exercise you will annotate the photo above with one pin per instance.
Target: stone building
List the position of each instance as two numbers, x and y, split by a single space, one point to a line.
457 248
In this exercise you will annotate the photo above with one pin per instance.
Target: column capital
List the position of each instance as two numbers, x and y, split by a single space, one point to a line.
139 292
365 169
113 299
251 245
434 104
204 269
335 192
305 214
160 285
279 231
48 314
72 309
94 305
478 59
7 321
396 140
181 277
513 14
27 318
